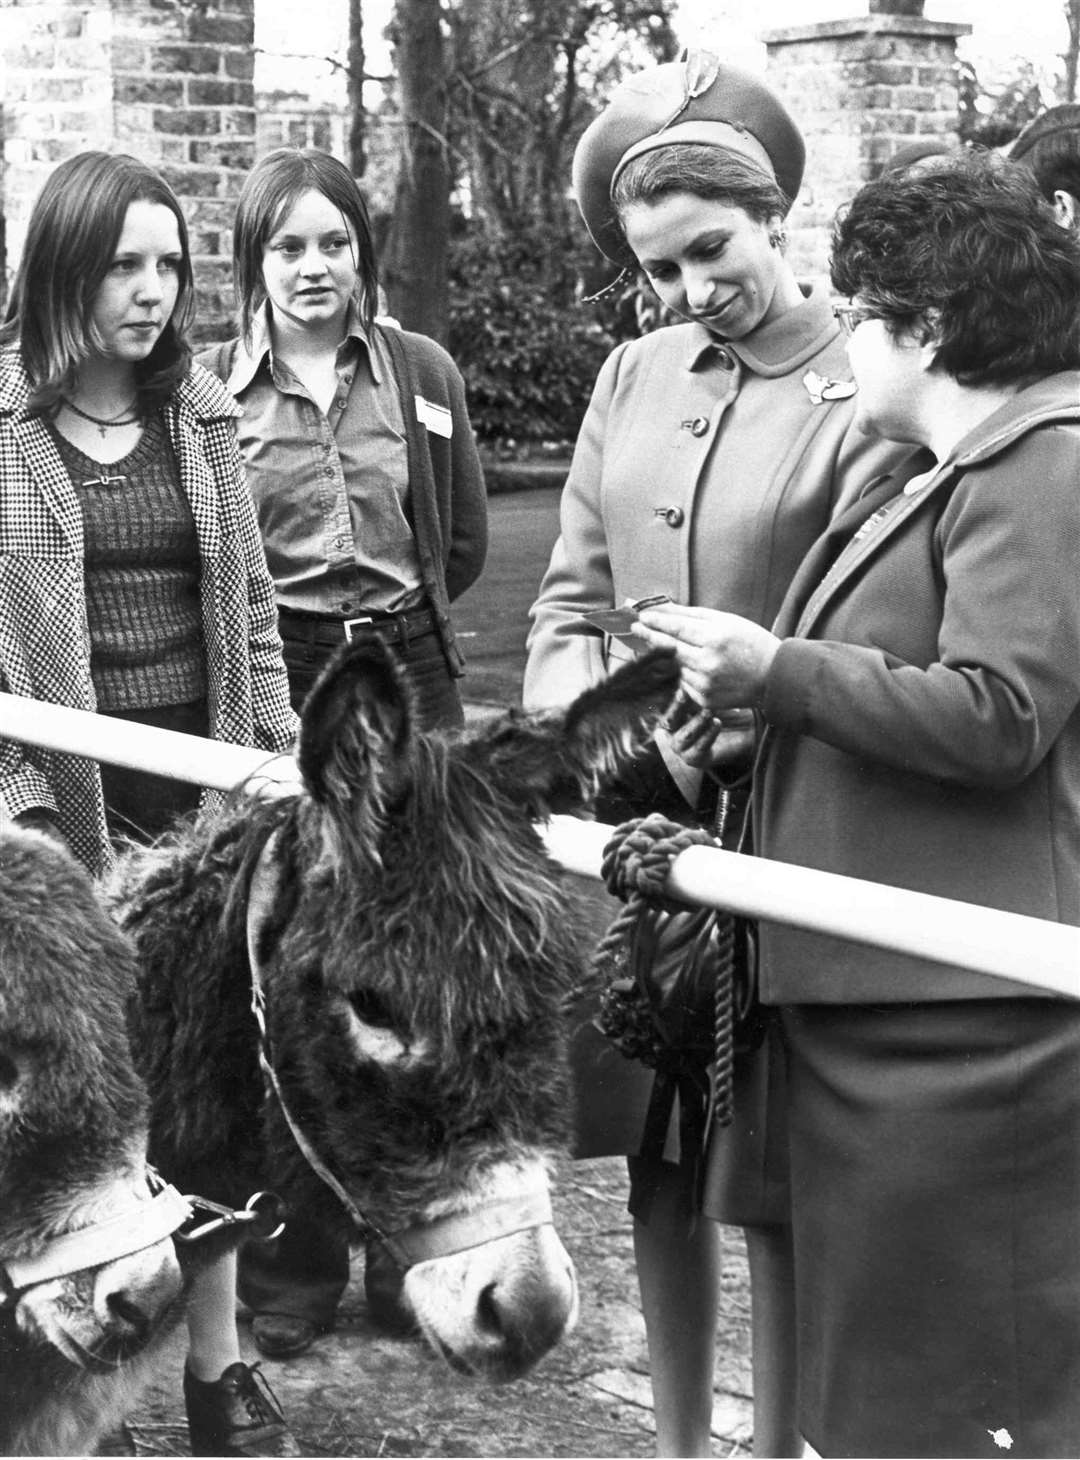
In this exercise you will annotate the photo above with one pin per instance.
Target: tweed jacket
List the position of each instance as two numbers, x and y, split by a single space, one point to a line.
44 633
447 497
923 710
705 471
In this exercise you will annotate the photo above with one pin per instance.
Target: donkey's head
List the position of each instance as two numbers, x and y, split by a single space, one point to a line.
416 946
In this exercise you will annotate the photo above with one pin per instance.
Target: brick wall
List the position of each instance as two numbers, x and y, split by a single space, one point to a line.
169 82
294 119
859 89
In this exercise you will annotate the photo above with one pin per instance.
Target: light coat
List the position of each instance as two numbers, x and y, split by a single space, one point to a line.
705 471
44 631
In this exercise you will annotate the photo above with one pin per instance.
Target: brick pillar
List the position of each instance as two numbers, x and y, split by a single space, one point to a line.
859 90
170 81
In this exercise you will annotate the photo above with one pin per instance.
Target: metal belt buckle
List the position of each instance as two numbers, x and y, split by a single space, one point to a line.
355 623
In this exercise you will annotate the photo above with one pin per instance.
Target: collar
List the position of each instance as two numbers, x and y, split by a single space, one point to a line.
199 393
1052 400
248 362
779 347
14 382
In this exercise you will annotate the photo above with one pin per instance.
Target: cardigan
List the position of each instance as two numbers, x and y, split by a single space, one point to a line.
447 496
923 709
44 633
704 469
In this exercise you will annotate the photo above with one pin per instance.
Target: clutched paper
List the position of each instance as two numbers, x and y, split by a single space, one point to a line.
618 622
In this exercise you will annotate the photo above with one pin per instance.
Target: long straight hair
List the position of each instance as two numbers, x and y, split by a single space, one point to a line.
71 241
272 189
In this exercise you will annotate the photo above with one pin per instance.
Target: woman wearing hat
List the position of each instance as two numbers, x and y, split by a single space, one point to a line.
712 455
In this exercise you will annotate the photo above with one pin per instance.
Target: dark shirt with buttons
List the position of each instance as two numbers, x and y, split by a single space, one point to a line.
331 490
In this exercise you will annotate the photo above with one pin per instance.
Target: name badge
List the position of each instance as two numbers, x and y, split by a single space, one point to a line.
435 418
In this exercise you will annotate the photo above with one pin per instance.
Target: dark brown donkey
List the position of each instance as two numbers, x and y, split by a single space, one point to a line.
411 946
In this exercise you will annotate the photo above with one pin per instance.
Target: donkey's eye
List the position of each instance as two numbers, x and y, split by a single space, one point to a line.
371 1008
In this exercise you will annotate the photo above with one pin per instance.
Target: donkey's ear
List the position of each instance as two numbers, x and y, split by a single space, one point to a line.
554 762
355 729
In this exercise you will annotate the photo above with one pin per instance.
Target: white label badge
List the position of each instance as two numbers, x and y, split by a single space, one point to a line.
435 418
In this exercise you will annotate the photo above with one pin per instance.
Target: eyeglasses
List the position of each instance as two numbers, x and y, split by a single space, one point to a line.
851 316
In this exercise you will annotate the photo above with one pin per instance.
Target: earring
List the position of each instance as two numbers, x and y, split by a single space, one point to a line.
778 238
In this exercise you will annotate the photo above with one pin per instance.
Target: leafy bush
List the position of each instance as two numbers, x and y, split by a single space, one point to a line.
528 350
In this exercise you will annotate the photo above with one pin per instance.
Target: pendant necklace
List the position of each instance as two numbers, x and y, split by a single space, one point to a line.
103 423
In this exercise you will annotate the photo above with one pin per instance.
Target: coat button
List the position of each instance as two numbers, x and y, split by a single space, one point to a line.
699 425
725 359
673 516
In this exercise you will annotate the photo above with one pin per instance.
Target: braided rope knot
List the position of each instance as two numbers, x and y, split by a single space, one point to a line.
687 1028
639 855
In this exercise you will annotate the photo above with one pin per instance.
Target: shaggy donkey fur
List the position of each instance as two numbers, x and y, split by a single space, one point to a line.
73 1124
416 911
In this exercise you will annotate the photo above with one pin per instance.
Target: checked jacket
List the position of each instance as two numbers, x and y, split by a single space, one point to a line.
44 632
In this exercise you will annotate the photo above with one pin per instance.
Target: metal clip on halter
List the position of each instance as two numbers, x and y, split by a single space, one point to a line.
264 1213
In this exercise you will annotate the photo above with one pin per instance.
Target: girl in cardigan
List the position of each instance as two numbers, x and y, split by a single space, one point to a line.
134 580
363 466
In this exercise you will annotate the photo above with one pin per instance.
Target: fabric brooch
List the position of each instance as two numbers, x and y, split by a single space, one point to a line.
820 388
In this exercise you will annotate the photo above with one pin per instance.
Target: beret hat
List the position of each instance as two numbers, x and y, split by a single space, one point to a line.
1051 123
696 99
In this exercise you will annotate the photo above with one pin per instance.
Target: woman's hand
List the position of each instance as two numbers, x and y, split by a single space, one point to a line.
707 741
724 659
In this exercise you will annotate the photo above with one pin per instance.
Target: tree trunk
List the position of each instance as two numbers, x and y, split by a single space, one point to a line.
1071 55
415 260
357 158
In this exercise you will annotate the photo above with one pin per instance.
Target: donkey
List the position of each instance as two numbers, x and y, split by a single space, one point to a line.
356 994
88 1275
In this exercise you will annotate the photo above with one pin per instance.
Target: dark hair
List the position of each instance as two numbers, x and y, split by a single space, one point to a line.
1050 147
71 239
270 192
970 254
707 172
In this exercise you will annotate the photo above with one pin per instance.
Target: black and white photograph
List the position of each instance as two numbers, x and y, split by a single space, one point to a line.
540 728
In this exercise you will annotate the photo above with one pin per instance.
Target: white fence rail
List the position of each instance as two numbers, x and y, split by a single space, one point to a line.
1005 945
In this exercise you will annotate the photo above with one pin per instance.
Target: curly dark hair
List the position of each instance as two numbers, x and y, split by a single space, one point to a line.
969 254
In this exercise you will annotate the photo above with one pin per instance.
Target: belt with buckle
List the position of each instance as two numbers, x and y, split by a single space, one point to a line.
317 628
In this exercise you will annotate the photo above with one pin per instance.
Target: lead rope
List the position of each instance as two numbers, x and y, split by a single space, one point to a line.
635 867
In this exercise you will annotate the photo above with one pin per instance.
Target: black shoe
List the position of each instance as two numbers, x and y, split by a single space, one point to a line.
236 1415
282 1335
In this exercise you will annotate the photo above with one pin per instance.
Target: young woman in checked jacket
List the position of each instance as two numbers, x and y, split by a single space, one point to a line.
132 580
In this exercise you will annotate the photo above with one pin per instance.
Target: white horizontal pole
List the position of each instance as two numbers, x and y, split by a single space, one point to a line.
1004 945
138 747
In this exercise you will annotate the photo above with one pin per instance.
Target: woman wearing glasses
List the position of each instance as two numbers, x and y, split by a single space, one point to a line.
920 695
712 455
